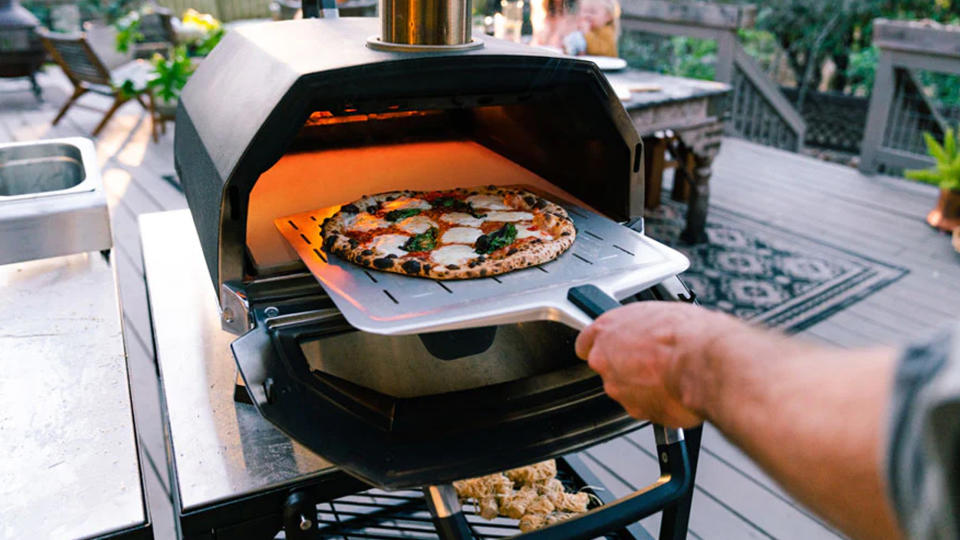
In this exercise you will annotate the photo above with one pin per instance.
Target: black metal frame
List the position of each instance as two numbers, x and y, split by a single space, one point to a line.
260 516
417 441
268 361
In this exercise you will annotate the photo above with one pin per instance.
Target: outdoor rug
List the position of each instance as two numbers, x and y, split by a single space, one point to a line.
767 274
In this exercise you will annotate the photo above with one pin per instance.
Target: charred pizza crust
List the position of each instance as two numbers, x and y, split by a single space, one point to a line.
552 233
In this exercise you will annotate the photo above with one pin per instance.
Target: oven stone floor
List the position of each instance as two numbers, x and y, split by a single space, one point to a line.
879 217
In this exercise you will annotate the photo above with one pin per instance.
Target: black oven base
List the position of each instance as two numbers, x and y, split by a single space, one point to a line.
263 516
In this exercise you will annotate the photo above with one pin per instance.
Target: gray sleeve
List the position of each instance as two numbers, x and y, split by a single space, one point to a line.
923 459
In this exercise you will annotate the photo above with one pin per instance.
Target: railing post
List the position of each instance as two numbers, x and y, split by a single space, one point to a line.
760 111
726 54
881 97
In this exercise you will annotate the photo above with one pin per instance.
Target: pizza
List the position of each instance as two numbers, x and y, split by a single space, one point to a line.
450 234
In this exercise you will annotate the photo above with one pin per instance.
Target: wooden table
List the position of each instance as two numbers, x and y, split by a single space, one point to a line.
686 116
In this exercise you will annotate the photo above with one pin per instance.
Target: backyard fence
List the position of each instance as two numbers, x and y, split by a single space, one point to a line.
759 112
900 110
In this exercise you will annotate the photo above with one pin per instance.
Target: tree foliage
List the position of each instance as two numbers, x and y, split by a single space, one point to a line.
799 26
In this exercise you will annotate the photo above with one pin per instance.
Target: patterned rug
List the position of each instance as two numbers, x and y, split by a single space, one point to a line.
766 274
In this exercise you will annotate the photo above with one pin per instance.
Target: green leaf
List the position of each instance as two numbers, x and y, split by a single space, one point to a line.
934 148
502 237
930 176
170 75
422 242
457 205
403 213
952 184
950 144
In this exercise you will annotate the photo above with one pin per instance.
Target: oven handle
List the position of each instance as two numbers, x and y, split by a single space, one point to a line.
675 479
313 9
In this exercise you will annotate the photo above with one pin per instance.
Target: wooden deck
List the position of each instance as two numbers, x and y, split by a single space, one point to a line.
875 216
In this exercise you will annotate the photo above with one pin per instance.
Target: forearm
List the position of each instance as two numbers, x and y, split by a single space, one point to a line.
812 417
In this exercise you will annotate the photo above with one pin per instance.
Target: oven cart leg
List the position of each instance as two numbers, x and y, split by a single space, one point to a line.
676 517
300 516
634 531
447 515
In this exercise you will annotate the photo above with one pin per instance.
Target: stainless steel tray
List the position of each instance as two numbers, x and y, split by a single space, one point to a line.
51 200
618 260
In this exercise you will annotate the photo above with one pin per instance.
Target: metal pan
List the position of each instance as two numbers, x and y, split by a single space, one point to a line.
614 258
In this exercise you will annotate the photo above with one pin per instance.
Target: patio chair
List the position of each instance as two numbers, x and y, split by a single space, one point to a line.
87 73
158 34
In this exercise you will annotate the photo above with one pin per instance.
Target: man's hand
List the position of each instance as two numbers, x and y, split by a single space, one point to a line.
643 351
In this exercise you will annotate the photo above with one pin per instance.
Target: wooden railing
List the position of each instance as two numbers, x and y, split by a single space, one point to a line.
900 111
224 10
759 111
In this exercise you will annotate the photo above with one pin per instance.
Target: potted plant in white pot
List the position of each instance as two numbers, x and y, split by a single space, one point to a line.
946 175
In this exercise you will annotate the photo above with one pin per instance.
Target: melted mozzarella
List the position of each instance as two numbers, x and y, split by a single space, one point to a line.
387 244
488 202
416 224
461 235
364 222
461 218
453 254
509 216
405 202
523 231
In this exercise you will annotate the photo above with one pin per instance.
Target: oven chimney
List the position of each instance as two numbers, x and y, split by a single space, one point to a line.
413 25
426 23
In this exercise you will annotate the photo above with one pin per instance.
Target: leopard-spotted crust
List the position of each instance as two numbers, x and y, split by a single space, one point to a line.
525 253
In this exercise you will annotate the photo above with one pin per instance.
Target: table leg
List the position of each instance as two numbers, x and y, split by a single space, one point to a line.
654 149
699 201
698 146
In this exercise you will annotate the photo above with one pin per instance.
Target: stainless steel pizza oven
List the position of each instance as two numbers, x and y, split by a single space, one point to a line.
293 116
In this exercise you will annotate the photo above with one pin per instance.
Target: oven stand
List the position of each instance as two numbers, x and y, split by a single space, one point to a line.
675 447
671 494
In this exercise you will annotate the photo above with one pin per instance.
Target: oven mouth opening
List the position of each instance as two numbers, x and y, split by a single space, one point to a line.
347 150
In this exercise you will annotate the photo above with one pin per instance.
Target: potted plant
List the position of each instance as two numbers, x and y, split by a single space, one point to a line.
946 175
169 77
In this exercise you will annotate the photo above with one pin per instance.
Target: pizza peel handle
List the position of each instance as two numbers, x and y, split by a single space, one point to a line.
675 471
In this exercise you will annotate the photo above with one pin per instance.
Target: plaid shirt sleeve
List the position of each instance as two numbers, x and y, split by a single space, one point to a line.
923 449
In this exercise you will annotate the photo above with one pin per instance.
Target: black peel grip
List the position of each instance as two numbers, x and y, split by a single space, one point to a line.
592 300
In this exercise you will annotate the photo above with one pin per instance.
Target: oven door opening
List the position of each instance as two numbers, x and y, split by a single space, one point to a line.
343 153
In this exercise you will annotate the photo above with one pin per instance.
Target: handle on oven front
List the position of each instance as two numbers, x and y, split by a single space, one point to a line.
675 479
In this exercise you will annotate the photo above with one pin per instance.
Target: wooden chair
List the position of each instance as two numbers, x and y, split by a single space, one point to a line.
87 73
158 34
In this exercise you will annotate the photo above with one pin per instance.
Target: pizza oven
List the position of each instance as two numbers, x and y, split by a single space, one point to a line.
293 116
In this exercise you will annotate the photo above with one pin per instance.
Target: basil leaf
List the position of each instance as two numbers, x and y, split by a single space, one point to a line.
458 205
422 242
502 237
403 213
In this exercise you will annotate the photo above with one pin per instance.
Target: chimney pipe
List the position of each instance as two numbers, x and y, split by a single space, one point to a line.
425 26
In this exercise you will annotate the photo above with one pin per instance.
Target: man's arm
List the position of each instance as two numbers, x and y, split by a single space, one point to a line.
812 417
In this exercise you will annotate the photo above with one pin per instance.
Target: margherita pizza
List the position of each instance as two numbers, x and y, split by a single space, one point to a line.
452 234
